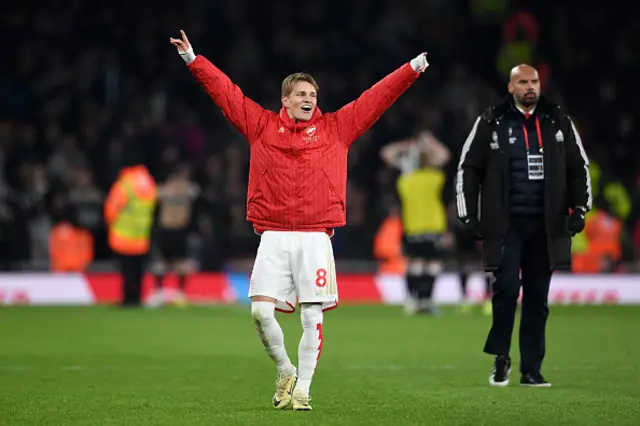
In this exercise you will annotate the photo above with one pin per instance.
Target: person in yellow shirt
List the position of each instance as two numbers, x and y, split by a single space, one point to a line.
423 214
129 210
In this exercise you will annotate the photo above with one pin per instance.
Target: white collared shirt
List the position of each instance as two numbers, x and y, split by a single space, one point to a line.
523 111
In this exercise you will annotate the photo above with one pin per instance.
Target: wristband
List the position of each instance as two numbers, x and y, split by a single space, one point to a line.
188 56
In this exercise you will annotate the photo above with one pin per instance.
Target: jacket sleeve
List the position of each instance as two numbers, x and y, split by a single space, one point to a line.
471 169
355 118
115 202
578 176
246 115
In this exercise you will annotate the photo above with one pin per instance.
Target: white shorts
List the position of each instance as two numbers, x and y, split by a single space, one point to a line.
295 267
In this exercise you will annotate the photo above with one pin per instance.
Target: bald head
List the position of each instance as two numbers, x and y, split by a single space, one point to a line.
522 70
524 85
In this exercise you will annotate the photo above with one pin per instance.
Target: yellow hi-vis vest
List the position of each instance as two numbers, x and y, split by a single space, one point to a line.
135 220
423 211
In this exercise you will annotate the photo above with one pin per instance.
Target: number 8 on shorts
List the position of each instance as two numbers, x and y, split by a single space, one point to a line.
321 277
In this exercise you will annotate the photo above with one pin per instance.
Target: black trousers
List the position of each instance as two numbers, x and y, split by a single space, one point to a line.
525 249
131 269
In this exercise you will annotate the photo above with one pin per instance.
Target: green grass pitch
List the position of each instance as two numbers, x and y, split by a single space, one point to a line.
206 366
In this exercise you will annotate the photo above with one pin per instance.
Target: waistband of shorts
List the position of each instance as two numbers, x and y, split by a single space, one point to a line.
329 232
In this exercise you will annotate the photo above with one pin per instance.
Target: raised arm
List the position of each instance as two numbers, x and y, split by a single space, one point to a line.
358 116
404 154
245 114
392 153
438 153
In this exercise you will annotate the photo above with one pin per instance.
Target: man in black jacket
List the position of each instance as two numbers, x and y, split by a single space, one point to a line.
525 160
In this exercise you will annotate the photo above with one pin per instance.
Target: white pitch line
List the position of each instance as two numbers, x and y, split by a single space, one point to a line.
15 368
387 367
81 368
392 367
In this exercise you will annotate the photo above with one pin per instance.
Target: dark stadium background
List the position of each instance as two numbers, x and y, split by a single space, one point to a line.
83 82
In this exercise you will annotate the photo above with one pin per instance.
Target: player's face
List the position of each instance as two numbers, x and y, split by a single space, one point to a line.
302 101
525 86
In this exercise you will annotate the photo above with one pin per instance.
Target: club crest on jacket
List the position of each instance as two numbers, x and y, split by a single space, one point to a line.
310 133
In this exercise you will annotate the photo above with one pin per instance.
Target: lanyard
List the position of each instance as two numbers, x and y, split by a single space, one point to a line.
526 135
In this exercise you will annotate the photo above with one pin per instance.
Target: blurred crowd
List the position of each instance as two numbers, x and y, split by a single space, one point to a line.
85 84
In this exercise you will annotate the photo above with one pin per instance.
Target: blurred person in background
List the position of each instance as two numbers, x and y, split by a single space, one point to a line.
404 155
424 218
598 249
170 250
70 248
468 256
212 217
296 198
387 243
129 211
24 207
86 202
34 193
6 216
524 164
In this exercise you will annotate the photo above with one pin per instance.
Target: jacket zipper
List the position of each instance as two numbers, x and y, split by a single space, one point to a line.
294 183
507 184
547 190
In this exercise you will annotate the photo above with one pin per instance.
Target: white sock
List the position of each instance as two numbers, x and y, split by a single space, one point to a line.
271 335
310 345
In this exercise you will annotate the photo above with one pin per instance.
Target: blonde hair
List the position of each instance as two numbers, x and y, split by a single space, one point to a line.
291 80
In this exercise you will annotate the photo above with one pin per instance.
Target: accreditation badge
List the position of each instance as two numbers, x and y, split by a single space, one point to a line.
535 166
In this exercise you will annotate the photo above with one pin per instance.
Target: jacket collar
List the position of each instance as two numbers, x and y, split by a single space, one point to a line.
296 126
544 107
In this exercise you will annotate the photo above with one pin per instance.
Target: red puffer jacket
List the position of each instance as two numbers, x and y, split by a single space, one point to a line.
298 170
